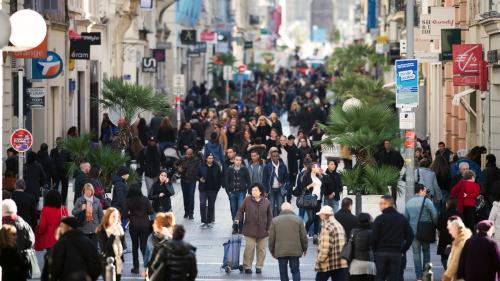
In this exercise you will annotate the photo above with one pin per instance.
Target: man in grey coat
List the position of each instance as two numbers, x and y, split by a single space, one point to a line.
288 241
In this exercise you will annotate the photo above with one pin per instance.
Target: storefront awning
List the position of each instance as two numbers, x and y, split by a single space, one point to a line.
459 98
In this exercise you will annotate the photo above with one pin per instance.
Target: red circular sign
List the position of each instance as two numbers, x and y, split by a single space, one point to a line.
242 68
21 140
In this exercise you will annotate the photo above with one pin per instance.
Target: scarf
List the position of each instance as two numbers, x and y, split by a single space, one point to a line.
117 247
89 210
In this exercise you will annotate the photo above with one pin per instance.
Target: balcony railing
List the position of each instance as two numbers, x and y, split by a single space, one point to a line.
53 10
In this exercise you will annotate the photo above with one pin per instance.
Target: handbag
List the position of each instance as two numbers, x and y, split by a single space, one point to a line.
426 231
307 201
34 271
347 252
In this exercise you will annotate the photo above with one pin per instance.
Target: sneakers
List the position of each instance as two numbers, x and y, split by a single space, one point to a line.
210 225
204 226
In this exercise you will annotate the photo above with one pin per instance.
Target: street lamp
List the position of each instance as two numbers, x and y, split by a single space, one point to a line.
25 29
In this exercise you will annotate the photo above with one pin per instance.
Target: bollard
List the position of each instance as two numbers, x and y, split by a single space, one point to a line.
110 269
428 274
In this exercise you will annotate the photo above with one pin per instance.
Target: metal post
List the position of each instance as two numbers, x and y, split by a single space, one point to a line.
20 75
241 87
227 92
110 269
410 152
359 197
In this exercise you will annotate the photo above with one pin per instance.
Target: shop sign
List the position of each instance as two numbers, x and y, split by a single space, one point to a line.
39 52
94 38
208 36
188 36
439 18
47 68
149 65
159 55
36 97
79 49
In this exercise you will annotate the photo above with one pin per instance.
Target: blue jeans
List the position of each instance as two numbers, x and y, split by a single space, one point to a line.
420 247
188 190
276 199
336 275
332 203
294 268
235 201
388 266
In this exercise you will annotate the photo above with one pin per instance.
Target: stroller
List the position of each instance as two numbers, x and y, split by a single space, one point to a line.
171 156
231 260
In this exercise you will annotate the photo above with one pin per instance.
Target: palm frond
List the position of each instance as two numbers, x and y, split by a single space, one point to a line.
377 179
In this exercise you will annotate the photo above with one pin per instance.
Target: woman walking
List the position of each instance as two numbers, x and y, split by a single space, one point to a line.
256 210
50 218
460 235
466 191
111 238
162 232
14 265
88 212
311 184
161 192
138 209
362 267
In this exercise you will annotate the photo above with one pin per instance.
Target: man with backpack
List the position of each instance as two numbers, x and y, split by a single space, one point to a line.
174 259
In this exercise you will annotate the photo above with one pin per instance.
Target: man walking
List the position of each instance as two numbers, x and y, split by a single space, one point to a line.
275 181
391 238
150 161
210 178
26 204
420 208
292 153
329 264
237 179
288 241
256 168
346 218
61 158
188 167
332 186
81 178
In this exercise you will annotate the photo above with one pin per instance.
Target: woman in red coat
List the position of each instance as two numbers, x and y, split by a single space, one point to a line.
50 218
466 191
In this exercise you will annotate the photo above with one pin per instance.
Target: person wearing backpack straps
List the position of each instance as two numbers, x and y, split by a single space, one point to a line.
422 216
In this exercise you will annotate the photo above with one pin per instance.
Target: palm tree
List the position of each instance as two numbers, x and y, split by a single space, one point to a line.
354 85
354 58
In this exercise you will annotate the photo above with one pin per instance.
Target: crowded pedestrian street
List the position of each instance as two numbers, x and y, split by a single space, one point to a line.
183 140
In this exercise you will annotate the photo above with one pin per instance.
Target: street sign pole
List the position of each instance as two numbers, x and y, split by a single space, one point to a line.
20 114
410 149
241 86
227 92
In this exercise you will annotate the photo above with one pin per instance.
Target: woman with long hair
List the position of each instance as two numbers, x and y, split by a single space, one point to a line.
273 140
311 184
163 227
441 168
166 136
231 134
88 212
293 118
161 193
263 129
50 218
138 209
111 239
14 265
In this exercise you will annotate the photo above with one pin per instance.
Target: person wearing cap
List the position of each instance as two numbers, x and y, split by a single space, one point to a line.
150 161
362 267
331 240
288 241
480 257
74 253
392 236
256 210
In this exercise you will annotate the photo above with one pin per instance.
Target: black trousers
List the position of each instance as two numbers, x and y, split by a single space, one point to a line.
313 218
139 238
63 179
207 205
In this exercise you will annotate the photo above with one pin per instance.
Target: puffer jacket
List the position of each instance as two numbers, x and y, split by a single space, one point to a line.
362 244
495 217
456 250
174 260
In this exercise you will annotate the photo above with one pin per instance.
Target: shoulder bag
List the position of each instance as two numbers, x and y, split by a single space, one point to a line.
347 252
426 231
307 201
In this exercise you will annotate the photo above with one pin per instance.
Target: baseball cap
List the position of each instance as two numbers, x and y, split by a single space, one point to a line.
326 210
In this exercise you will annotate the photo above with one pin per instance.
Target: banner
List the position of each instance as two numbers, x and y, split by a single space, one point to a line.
407 85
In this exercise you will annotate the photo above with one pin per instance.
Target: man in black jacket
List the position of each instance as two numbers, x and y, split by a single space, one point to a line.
26 204
332 186
61 158
346 218
188 168
210 178
73 254
150 161
392 236
387 156
293 164
489 175
174 259
81 178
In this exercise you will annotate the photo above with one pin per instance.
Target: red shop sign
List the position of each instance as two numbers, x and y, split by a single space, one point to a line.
207 36
467 59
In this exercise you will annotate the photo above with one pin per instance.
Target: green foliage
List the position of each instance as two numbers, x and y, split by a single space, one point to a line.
368 90
79 148
370 179
354 58
130 99
334 35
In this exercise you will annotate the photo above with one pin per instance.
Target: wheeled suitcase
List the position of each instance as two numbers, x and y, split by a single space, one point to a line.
231 260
